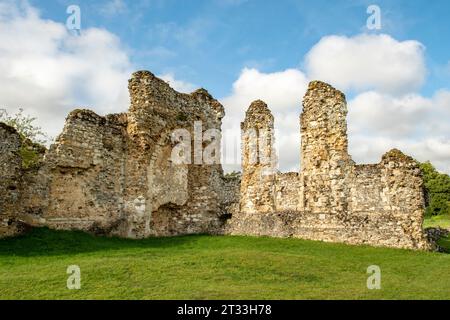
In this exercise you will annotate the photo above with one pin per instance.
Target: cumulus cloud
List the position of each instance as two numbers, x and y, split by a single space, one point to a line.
48 72
179 85
377 122
375 113
415 124
386 113
366 62
282 91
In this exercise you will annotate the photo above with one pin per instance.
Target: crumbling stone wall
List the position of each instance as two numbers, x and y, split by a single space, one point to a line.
230 194
82 177
175 198
332 198
287 191
115 175
10 173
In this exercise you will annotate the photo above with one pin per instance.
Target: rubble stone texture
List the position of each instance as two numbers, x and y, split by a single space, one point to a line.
115 175
10 173
332 199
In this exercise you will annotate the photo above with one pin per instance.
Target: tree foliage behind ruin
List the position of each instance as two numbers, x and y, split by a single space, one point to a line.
24 124
32 136
437 186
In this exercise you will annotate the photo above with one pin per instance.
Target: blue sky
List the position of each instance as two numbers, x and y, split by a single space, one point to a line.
208 42
396 79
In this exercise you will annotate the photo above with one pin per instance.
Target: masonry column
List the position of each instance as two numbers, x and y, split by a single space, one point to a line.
145 124
258 160
324 155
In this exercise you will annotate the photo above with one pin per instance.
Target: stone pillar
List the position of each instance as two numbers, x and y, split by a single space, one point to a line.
258 160
147 136
324 155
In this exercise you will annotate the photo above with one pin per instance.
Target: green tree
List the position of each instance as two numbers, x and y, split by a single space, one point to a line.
437 187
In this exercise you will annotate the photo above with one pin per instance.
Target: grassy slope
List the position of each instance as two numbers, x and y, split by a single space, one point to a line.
206 267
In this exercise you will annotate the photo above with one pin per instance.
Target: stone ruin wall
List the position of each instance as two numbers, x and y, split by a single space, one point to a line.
331 199
10 173
113 175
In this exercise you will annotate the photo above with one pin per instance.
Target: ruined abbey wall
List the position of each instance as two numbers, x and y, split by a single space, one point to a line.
10 173
332 198
116 175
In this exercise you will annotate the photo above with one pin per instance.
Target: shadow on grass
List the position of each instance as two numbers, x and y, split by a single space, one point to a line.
47 242
445 244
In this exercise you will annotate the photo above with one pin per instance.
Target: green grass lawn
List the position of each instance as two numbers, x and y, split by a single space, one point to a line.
206 267
437 221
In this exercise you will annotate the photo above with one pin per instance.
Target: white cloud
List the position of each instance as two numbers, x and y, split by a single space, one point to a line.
179 85
368 149
389 116
367 62
415 124
376 113
377 122
49 72
282 91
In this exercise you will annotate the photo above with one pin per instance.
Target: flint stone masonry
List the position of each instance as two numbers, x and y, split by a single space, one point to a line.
115 175
10 173
331 199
